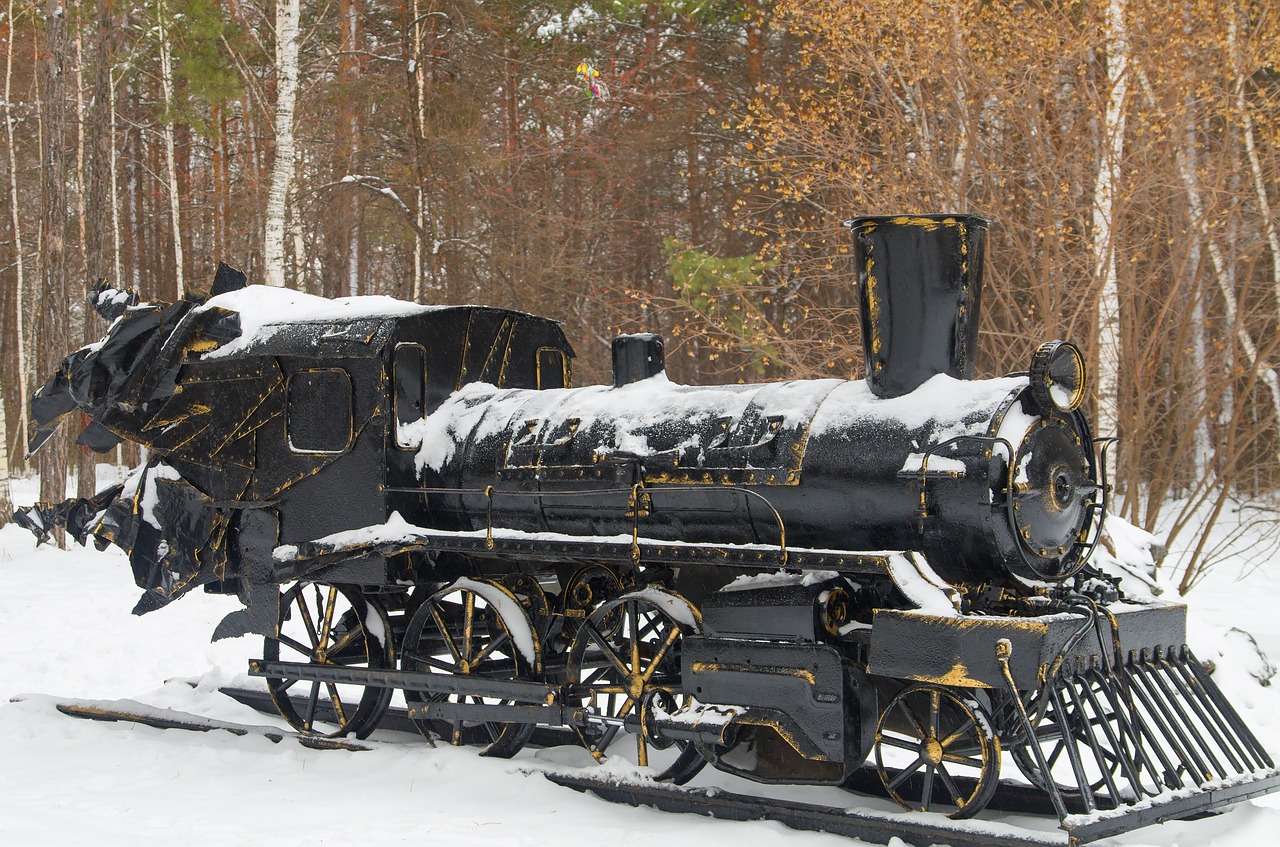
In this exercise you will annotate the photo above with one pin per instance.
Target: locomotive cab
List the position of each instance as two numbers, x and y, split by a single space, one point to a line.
351 394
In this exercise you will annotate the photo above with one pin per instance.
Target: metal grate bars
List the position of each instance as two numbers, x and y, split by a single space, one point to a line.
1154 723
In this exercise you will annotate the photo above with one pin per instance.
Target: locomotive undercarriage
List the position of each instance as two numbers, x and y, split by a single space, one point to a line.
845 675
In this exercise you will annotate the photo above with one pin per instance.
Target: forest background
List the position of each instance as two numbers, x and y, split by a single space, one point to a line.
683 167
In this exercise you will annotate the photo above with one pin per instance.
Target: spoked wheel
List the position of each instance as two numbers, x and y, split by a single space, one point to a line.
625 663
472 628
935 752
1079 721
330 625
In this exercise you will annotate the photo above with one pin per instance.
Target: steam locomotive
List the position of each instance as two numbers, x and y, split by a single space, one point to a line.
785 580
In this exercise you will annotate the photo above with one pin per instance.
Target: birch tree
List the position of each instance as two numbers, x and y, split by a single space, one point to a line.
282 166
170 156
1104 230
6 495
20 291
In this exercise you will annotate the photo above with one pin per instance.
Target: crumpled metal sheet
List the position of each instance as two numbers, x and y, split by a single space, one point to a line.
175 534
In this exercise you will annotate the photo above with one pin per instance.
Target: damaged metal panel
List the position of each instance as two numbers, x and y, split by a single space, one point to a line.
281 437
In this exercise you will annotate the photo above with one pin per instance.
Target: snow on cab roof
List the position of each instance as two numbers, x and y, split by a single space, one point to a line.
265 311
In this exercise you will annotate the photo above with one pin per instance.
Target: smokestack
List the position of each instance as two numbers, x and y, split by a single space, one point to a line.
637 357
920 282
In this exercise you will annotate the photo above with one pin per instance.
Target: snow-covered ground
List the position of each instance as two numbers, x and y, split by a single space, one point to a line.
68 633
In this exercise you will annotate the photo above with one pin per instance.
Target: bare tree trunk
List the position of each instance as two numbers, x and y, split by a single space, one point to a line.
6 495
98 194
282 166
1202 451
1222 275
133 195
80 153
171 164
1112 148
219 161
117 266
299 247
19 310
418 99
1268 222
348 222
54 333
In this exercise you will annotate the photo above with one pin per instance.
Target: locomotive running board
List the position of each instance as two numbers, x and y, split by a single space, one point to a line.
309 559
878 828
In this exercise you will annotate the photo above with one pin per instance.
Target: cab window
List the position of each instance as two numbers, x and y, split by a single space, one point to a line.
318 412
553 370
409 374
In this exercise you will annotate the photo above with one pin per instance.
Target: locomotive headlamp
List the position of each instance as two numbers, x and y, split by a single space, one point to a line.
1058 376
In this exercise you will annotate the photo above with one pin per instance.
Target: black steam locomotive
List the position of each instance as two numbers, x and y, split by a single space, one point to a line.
786 580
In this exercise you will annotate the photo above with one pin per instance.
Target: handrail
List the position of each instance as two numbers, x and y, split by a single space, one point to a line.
631 492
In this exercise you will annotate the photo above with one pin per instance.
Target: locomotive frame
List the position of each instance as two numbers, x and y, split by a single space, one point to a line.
783 580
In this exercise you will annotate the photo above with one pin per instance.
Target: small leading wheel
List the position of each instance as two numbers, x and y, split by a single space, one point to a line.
472 628
625 664
935 751
330 625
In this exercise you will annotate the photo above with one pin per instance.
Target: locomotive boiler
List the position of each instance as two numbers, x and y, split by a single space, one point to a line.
994 481
803 581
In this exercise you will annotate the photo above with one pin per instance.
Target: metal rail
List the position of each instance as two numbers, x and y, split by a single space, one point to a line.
521 691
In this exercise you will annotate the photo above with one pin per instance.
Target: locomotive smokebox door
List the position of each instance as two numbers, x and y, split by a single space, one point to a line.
920 283
637 357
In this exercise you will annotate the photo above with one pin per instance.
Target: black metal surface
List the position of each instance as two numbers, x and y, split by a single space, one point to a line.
1212 799
784 613
395 719
637 356
1009 796
427 683
920 281
763 676
1121 743
651 552
961 649
851 823
497 713
128 711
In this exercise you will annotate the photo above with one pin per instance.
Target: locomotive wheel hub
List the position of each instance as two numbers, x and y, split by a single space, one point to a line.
931 749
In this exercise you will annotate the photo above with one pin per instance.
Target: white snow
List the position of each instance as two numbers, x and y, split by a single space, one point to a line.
63 782
921 585
778 579
151 494
937 464
509 610
1125 551
633 419
948 406
263 308
680 610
